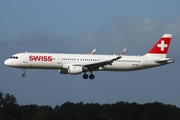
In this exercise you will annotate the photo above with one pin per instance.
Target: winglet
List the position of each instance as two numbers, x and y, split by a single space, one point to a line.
120 55
93 52
123 52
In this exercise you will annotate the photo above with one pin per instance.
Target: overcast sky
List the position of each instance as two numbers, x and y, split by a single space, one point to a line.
79 27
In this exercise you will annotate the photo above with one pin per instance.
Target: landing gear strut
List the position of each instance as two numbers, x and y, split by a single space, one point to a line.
24 74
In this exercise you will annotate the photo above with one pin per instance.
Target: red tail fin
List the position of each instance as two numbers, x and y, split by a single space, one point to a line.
161 47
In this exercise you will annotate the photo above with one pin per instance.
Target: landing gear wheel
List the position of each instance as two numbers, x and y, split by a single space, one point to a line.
85 76
91 76
23 75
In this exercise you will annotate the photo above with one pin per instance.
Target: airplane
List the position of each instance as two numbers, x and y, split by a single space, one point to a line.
83 63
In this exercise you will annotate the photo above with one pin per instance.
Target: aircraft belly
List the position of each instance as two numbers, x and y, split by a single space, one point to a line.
40 65
124 67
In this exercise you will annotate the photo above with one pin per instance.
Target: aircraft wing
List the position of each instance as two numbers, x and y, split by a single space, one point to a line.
95 66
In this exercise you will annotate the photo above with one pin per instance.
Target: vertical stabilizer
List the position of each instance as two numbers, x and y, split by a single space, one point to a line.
160 49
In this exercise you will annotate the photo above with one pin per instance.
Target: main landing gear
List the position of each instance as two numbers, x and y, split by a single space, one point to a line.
24 74
91 76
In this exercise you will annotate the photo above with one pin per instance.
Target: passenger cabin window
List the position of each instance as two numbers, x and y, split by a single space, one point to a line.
14 57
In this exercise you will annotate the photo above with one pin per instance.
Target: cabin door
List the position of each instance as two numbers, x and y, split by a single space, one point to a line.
59 60
25 58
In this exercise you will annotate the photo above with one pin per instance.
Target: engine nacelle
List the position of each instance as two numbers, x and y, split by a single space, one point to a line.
75 69
63 71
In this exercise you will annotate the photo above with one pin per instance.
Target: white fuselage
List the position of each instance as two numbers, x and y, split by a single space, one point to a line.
61 61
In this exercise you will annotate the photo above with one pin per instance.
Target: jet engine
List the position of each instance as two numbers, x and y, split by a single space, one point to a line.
62 71
75 69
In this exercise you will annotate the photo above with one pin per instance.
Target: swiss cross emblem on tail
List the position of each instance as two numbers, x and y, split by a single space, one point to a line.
162 46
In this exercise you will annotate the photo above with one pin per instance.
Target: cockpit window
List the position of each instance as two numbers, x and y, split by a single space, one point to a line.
14 57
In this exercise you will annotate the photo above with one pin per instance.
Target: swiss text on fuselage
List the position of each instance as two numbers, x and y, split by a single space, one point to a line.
40 58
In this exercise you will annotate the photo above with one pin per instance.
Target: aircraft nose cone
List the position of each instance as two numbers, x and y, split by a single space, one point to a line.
6 62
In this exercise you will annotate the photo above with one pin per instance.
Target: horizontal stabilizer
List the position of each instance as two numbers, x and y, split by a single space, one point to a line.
165 61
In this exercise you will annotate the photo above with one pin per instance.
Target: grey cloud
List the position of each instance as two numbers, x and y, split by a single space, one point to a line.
42 41
93 38
5 49
137 34
174 26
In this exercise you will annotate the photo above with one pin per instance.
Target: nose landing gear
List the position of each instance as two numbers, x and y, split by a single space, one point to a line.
24 74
